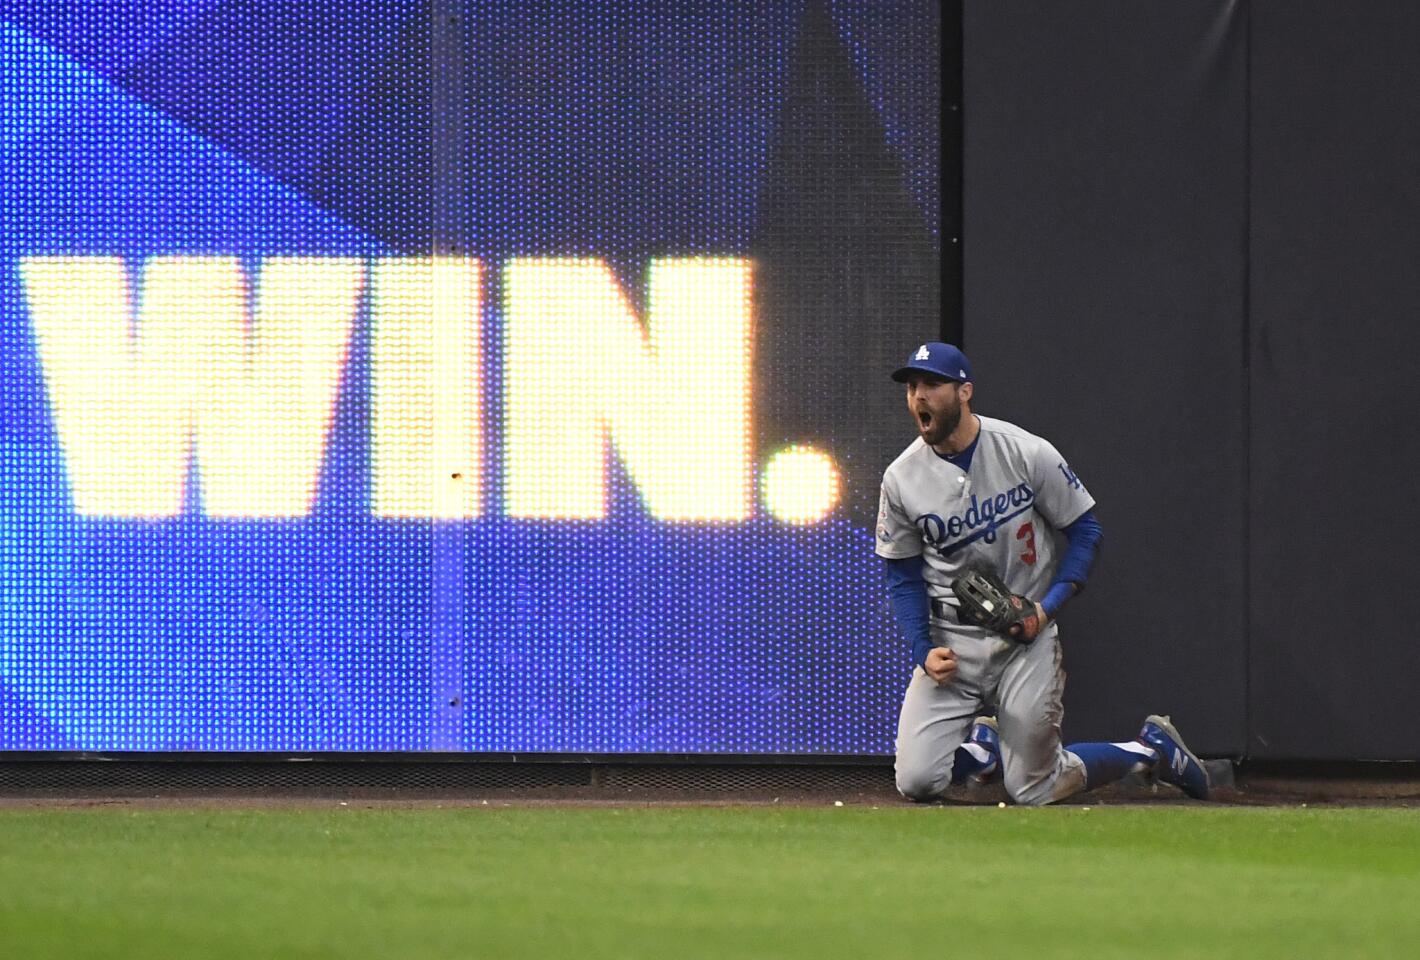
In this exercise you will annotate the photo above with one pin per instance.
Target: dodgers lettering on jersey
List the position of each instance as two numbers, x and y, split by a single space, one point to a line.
979 519
1002 513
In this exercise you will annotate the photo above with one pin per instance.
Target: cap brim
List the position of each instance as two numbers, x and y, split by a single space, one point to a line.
902 373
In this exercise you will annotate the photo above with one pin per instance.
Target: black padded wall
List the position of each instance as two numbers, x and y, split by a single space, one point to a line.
1191 236
1335 359
1104 226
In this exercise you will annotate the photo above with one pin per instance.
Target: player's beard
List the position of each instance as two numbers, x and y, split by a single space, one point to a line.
944 423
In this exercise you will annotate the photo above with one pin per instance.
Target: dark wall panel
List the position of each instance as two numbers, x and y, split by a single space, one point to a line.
1335 359
1104 219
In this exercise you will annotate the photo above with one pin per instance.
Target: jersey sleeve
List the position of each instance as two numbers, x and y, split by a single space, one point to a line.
1060 497
897 536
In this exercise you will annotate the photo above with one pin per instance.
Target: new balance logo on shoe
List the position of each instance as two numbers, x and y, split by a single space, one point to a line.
1179 762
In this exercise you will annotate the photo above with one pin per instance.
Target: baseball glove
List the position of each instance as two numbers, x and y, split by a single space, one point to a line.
984 599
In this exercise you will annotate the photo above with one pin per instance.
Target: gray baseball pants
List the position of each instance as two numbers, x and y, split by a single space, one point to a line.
1022 685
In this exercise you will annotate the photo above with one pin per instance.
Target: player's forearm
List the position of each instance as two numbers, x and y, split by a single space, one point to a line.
1056 596
1084 537
907 591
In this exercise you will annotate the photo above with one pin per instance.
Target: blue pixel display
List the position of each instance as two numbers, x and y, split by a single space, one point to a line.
479 377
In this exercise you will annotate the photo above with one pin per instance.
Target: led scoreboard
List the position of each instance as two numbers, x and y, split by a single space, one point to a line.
505 377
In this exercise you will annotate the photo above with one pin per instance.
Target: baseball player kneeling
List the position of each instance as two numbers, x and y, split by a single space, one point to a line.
966 526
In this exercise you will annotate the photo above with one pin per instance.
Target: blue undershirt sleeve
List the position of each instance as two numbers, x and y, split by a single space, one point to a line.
908 593
1084 536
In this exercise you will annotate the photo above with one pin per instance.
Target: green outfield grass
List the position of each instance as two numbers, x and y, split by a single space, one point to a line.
579 882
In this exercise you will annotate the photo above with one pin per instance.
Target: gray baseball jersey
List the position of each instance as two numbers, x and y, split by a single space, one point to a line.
1002 512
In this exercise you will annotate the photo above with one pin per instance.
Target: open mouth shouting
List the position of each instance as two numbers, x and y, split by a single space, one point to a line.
936 425
936 406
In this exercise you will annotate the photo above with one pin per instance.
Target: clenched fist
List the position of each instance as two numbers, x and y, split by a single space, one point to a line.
941 665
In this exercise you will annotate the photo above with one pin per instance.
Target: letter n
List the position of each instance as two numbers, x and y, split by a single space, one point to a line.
581 376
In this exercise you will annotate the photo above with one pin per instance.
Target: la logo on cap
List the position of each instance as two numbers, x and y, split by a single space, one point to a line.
923 353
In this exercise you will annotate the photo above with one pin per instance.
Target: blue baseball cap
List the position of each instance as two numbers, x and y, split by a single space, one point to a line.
942 359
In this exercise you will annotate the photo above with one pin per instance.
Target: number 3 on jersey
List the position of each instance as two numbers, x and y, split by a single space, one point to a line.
1026 532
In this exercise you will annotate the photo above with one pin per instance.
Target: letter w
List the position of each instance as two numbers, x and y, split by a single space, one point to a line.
253 397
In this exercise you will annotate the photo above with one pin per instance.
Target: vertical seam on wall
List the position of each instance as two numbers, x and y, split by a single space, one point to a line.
1247 379
953 318
448 237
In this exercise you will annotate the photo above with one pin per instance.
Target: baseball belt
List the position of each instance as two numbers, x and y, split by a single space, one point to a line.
943 610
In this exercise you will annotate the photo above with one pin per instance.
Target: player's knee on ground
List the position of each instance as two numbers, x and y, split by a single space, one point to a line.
919 783
1033 797
1030 791
1036 788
